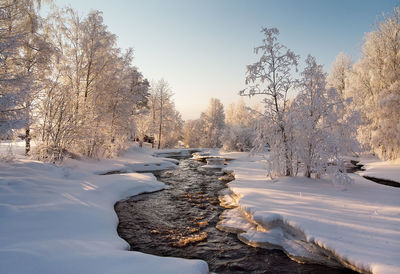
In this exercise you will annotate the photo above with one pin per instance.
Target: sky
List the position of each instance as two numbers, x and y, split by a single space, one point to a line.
201 48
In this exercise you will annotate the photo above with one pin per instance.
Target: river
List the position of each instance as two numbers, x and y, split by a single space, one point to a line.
181 220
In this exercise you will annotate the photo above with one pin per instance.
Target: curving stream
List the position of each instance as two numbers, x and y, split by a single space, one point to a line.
181 221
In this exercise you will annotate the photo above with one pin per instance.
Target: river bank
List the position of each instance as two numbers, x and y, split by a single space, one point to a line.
61 219
357 224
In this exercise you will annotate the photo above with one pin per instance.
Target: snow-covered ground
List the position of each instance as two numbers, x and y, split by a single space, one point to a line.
62 220
360 225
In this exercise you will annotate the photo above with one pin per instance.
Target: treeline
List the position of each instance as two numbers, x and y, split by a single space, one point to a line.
67 85
233 129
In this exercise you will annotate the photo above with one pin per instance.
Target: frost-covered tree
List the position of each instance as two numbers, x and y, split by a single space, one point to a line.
318 141
173 126
271 76
37 52
161 94
213 124
239 114
239 133
339 73
347 115
92 95
311 107
165 122
18 21
374 85
192 133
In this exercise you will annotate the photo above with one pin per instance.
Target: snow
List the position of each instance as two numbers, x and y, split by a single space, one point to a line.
312 219
134 160
181 152
389 170
61 219
17 147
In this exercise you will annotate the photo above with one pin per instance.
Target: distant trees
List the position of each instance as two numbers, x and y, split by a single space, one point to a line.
271 76
213 121
340 71
208 129
165 122
239 133
192 133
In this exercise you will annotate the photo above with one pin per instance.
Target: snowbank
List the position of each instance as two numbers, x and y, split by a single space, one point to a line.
314 219
389 170
134 160
62 220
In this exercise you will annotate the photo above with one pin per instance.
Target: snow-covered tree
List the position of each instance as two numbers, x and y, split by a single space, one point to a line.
311 104
213 124
374 85
340 70
18 21
93 94
347 115
192 133
161 95
239 133
271 76
318 140
164 122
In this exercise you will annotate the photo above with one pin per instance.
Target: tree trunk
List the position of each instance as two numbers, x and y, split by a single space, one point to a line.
27 140
288 162
307 172
159 135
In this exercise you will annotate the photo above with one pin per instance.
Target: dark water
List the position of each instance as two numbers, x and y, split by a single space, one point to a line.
180 222
359 167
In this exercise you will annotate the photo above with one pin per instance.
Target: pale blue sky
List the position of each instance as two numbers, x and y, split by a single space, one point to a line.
202 47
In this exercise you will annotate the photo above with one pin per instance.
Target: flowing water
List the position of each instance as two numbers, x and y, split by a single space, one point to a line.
181 221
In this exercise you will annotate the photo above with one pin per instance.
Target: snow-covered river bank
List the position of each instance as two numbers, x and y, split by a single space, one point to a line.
358 224
61 219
